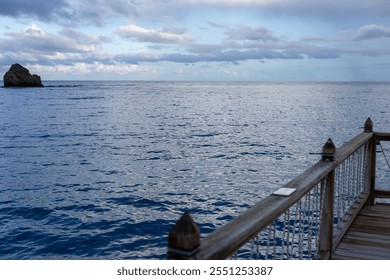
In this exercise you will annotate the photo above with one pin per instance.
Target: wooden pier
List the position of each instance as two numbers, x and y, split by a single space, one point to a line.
333 210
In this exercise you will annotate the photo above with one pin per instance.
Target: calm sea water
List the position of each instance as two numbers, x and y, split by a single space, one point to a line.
102 170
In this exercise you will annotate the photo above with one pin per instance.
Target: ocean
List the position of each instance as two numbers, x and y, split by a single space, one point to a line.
103 169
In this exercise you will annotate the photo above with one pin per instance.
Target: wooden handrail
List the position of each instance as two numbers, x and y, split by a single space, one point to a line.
382 194
226 240
382 136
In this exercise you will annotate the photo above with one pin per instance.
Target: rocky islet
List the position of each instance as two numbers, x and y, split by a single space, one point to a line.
19 76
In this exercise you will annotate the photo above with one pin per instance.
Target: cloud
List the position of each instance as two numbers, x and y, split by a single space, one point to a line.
161 36
34 39
83 38
70 12
243 43
69 52
35 45
83 68
373 31
98 12
314 38
334 10
243 32
43 10
206 48
233 56
323 9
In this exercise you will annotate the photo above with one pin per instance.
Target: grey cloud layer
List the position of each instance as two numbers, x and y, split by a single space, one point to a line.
372 31
96 11
233 56
243 43
43 10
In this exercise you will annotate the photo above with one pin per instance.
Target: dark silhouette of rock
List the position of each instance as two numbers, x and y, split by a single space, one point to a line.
18 76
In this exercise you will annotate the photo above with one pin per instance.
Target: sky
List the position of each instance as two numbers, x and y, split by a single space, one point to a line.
214 40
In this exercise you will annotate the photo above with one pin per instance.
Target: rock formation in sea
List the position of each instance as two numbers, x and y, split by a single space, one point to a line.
19 76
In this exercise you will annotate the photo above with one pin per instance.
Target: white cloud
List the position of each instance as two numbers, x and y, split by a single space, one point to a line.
86 68
77 68
35 39
121 69
162 36
34 31
69 51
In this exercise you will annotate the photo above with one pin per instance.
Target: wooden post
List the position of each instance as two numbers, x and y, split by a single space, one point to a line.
371 162
328 150
368 125
326 227
183 239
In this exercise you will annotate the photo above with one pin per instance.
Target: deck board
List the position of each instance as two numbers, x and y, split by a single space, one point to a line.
368 237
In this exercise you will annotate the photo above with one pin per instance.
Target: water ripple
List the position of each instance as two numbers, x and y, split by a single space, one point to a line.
102 170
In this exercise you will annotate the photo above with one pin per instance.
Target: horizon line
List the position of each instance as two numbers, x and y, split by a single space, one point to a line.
217 81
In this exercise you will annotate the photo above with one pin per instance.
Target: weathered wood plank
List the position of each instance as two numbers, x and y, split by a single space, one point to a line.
357 255
368 237
372 237
373 240
373 220
377 207
364 252
381 211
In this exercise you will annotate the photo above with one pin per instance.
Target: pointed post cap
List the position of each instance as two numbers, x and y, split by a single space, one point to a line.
185 234
368 125
328 150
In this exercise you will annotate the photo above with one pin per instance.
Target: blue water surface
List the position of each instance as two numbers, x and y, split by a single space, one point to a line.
102 170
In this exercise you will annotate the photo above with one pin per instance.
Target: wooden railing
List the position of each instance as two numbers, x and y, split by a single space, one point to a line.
305 219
